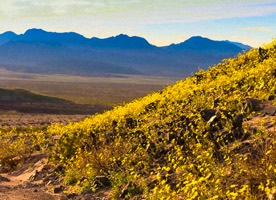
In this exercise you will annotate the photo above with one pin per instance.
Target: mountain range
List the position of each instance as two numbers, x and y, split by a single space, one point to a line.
71 53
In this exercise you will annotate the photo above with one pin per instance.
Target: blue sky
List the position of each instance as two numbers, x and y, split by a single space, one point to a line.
161 22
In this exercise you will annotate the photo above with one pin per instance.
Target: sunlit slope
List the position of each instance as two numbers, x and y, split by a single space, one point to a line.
193 139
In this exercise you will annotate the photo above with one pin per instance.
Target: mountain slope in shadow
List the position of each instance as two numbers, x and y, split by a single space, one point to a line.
27 102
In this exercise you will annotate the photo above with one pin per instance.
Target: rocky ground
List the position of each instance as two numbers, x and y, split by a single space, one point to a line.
37 179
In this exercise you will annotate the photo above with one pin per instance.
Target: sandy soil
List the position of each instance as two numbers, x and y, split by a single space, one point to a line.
21 185
36 180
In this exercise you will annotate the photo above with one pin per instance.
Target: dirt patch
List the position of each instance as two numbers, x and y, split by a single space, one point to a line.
13 193
19 183
37 179
265 119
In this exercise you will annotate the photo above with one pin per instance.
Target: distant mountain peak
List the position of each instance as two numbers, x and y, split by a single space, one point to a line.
198 40
41 31
122 36
9 33
122 41
199 43
7 36
197 37
34 30
42 36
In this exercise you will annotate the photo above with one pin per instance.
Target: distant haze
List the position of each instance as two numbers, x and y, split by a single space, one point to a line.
71 53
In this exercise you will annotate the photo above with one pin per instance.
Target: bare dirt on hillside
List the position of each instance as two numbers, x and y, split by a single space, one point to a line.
36 179
33 178
17 185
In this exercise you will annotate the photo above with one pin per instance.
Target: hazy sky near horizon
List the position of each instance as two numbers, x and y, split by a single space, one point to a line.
161 22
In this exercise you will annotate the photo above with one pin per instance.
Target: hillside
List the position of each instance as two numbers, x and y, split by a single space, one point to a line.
24 101
209 136
71 53
16 96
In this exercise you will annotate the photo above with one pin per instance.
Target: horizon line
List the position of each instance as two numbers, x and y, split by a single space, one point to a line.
174 43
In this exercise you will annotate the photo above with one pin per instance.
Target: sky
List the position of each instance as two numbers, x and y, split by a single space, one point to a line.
161 22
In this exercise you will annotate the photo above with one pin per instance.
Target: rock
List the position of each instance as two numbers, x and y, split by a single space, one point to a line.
207 114
124 191
185 122
129 188
49 182
237 129
143 140
216 102
253 104
58 189
86 191
214 115
62 197
37 147
271 98
102 181
34 176
263 54
274 73
71 195
29 185
213 119
198 76
216 130
50 179
270 110
4 179
237 121
130 123
114 123
151 148
88 197
151 106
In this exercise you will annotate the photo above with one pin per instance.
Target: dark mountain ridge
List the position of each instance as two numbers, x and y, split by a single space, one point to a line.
39 35
24 101
199 43
71 53
24 96
121 41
